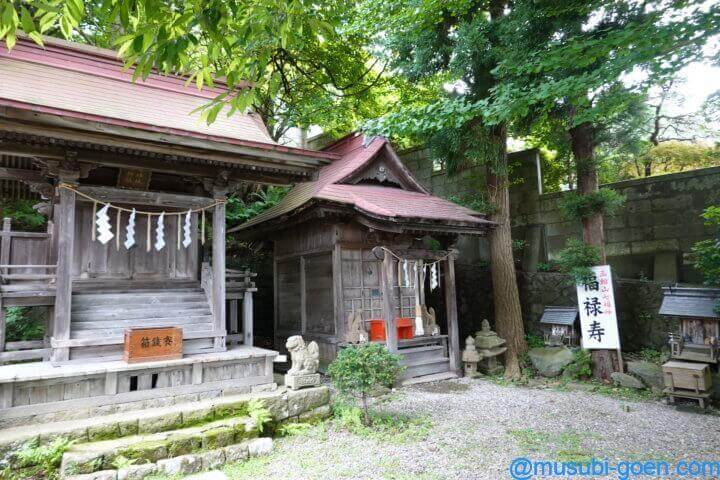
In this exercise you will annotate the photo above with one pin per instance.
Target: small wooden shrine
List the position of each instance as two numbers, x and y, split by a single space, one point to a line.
561 326
133 185
695 348
358 249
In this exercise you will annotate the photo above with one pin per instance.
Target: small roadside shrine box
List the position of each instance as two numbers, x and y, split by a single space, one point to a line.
695 347
560 326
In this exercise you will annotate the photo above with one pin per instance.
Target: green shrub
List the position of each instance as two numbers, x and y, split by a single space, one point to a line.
261 415
24 323
534 341
651 355
581 366
577 258
358 370
24 216
44 458
386 427
574 206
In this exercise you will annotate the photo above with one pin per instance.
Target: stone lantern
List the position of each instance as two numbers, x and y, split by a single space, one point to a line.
489 345
470 357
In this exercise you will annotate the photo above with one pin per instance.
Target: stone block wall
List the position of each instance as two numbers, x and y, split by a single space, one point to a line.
650 238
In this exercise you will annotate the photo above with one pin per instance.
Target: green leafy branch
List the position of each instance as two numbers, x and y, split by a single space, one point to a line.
577 260
605 201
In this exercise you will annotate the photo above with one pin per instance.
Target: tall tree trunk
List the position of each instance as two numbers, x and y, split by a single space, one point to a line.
508 315
582 140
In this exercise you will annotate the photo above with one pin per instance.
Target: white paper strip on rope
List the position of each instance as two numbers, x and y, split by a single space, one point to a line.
160 233
187 237
434 280
406 274
103 225
130 231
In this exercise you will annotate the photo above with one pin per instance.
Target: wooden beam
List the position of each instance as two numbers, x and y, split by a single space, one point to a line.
451 314
339 309
3 326
136 197
77 131
387 282
218 265
303 297
63 284
21 175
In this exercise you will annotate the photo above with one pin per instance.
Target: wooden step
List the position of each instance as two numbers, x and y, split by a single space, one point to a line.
416 354
120 332
435 377
141 322
150 311
137 298
426 367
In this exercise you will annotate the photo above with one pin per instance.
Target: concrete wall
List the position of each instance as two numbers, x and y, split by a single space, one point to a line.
650 238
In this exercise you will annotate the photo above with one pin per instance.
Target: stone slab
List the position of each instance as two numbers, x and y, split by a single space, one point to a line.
297 382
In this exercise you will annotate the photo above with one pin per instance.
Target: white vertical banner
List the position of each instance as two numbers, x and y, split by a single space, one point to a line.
598 317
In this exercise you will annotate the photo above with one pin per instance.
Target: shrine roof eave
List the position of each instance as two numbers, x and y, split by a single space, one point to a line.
331 211
33 122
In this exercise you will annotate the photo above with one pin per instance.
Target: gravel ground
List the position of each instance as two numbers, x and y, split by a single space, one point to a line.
478 428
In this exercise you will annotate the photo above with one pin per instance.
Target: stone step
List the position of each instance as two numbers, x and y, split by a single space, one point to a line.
426 367
416 354
282 403
435 377
202 461
149 311
92 457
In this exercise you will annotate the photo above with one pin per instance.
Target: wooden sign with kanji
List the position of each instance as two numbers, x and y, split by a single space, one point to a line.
153 344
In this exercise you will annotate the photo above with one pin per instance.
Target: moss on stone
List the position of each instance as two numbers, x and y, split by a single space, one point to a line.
146 451
218 437
182 444
236 409
103 432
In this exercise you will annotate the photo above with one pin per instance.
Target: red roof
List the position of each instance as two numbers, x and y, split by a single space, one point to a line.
76 81
412 202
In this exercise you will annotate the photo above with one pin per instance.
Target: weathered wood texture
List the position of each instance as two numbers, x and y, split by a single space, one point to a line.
218 264
388 274
94 260
451 315
10 186
63 285
45 390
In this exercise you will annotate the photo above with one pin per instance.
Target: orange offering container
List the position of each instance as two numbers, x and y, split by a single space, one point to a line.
404 329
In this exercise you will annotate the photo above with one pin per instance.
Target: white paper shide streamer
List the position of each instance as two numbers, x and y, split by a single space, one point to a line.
406 274
434 280
130 231
187 239
103 225
160 233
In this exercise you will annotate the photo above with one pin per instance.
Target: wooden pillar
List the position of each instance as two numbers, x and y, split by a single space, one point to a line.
247 318
218 266
451 314
5 241
3 325
387 282
63 282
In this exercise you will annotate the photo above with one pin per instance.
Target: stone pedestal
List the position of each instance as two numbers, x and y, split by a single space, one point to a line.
296 382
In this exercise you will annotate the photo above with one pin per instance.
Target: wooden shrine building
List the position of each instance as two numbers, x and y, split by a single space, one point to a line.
348 244
89 136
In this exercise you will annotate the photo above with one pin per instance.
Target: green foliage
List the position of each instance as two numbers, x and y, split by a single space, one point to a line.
707 252
121 461
577 258
260 415
581 366
24 323
534 341
239 211
294 428
24 216
46 458
359 370
605 201
652 355
385 427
